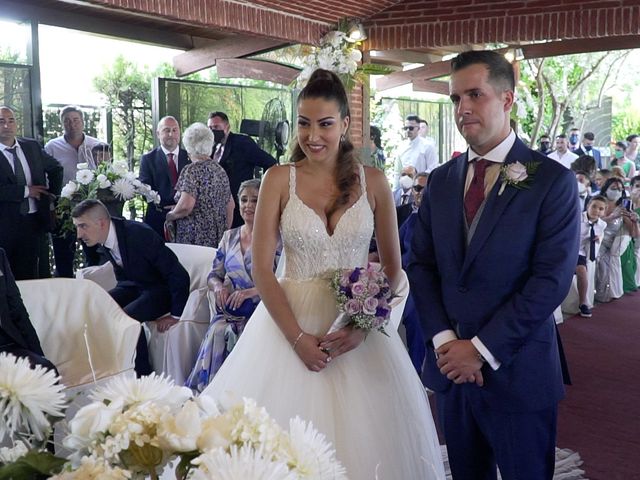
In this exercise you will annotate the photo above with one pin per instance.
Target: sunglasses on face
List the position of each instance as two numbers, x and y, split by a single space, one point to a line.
418 188
409 128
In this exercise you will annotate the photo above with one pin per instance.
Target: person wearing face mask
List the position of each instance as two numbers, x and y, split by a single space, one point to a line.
545 145
574 139
587 149
622 225
623 160
633 152
403 194
584 188
635 201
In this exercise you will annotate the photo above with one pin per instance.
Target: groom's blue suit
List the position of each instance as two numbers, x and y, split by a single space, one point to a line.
503 285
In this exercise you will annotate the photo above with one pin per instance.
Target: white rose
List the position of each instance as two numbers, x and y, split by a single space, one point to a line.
89 422
69 189
101 178
82 166
120 168
10 455
180 432
105 184
516 172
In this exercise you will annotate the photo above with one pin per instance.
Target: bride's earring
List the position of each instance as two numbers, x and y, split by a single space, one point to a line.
342 138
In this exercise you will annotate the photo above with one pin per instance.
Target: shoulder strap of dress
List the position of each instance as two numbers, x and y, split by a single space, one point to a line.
292 180
363 180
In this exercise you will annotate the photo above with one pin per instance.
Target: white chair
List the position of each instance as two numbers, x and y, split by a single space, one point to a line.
174 352
398 303
82 330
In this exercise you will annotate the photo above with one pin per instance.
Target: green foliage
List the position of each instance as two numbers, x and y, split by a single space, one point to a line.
624 124
32 466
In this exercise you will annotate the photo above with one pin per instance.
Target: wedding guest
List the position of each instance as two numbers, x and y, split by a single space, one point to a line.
236 296
586 148
628 162
633 151
545 144
591 230
403 194
562 154
101 153
404 211
586 164
204 208
417 151
17 335
622 224
584 188
378 159
635 199
150 279
601 176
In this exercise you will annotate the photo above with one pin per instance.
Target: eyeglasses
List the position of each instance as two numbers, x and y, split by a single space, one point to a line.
409 128
418 188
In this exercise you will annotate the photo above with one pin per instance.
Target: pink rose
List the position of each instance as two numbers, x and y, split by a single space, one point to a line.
370 305
374 289
352 307
516 172
358 289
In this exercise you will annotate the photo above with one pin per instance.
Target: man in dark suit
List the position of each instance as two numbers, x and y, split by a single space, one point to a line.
160 169
238 154
17 335
586 148
25 199
150 279
493 253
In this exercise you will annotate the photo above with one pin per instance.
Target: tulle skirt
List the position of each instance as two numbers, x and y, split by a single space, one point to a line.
369 402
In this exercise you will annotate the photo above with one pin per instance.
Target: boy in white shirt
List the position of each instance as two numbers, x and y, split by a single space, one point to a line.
591 230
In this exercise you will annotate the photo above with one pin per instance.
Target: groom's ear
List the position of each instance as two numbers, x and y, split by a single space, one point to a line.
508 97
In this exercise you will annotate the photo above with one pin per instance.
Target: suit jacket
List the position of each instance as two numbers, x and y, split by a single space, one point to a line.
45 170
504 286
14 319
240 157
154 171
147 262
595 153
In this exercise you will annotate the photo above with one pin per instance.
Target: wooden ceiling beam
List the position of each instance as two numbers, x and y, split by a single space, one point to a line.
433 86
403 56
585 45
257 70
206 56
429 71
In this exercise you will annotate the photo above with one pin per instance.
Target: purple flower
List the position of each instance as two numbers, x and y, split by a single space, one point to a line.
355 275
382 312
370 306
358 289
352 307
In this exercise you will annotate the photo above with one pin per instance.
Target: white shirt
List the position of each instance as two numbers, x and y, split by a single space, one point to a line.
69 157
498 155
420 154
175 152
565 160
112 244
33 206
585 234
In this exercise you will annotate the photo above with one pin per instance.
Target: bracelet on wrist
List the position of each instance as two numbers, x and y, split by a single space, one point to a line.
295 342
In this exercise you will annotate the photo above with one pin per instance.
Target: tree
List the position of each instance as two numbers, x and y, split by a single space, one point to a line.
557 92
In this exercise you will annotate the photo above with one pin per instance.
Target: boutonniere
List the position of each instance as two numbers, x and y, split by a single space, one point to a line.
517 175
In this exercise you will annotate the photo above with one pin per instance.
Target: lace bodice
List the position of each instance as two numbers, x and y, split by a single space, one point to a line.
309 249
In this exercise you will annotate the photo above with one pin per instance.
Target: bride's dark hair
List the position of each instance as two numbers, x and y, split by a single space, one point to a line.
328 86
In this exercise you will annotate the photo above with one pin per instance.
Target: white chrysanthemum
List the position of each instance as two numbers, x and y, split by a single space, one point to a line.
69 189
11 454
152 388
92 468
27 396
243 464
254 426
84 177
123 189
311 456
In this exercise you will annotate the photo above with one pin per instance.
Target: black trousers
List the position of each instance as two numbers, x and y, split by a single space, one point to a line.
21 241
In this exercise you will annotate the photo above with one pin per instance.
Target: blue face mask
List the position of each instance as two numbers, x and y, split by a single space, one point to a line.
573 139
588 148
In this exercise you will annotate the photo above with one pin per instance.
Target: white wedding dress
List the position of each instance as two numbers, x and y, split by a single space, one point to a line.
369 402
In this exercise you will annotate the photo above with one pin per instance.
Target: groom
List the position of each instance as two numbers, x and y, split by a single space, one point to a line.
493 253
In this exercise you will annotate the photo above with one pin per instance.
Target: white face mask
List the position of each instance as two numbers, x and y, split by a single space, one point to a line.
406 182
582 189
614 195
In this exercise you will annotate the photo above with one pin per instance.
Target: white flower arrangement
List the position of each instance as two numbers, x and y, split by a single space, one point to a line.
109 182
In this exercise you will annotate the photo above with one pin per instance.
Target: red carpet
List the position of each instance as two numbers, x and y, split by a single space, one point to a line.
600 416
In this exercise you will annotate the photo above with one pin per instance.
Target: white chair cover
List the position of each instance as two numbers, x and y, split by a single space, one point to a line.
82 330
399 302
103 275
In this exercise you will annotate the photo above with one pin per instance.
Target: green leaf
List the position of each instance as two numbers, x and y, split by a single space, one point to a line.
32 466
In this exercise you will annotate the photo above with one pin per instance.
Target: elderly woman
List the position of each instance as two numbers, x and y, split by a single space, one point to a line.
234 291
204 208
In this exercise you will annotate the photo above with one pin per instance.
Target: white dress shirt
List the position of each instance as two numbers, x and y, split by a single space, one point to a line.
33 206
70 156
498 155
420 154
112 244
565 160
585 234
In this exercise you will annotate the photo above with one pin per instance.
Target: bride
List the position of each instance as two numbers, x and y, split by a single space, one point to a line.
362 393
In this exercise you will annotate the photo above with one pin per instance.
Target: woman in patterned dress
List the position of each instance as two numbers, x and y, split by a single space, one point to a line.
204 208
233 288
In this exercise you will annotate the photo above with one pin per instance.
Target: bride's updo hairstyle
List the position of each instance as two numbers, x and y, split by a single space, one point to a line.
328 86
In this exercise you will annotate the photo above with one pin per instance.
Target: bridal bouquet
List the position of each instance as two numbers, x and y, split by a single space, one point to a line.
31 399
111 183
364 297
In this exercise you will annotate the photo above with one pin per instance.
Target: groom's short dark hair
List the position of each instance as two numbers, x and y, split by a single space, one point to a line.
500 70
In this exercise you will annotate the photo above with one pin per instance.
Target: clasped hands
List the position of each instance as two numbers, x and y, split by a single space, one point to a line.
458 360
317 352
224 298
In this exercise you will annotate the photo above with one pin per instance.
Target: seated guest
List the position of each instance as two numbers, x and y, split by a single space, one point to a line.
601 176
402 195
235 294
101 153
17 335
403 211
150 279
204 208
622 224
